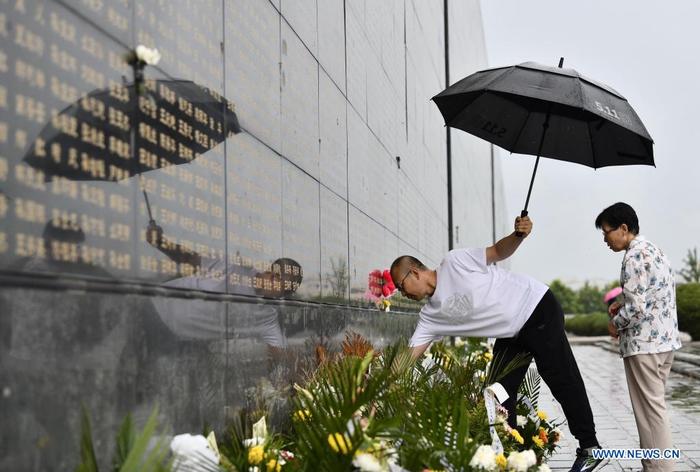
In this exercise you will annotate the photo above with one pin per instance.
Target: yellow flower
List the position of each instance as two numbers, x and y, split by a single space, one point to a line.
542 415
255 454
516 435
339 443
488 356
273 466
501 461
302 415
537 441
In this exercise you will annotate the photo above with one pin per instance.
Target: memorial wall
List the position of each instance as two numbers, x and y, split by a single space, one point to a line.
187 228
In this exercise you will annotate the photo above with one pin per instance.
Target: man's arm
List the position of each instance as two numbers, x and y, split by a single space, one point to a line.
176 252
417 351
505 248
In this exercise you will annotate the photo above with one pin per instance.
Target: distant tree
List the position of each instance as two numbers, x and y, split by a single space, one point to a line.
566 296
590 298
691 271
610 285
339 277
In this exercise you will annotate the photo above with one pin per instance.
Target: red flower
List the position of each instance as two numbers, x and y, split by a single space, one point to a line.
380 284
388 287
375 283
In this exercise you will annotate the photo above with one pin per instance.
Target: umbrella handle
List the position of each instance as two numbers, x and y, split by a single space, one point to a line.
520 234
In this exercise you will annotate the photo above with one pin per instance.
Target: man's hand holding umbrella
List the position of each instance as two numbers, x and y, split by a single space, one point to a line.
505 247
523 226
175 252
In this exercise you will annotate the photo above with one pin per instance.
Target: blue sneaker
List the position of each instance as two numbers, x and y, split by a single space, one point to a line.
585 462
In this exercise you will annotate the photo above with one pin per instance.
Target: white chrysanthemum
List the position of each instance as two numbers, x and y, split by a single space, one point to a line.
521 461
147 55
544 468
193 452
254 441
367 462
484 458
530 457
521 420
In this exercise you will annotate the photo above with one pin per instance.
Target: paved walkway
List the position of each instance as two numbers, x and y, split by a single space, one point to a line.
604 375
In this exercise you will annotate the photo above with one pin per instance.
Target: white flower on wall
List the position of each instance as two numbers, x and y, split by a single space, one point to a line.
150 56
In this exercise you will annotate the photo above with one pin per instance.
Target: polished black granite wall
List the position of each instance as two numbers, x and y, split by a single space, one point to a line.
199 360
190 246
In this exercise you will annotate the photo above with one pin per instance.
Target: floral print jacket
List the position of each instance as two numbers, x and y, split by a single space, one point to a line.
647 322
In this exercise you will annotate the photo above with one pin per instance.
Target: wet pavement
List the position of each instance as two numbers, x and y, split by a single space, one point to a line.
604 375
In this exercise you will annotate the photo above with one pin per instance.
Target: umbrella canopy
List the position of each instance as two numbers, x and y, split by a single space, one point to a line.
116 133
589 123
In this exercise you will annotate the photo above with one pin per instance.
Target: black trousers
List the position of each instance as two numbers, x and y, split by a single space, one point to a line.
543 338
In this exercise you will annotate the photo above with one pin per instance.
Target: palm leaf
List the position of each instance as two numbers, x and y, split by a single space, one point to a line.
88 461
146 455
500 368
125 441
531 386
340 389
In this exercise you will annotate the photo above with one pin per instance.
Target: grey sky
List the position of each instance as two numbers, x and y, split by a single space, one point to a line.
646 50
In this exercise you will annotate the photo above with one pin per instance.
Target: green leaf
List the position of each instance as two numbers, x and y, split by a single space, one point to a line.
88 461
141 457
125 441
531 386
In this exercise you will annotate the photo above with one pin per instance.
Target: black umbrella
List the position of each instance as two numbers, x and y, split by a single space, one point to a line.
116 133
546 111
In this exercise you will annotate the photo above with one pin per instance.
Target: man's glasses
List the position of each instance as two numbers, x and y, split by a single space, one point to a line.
608 231
400 284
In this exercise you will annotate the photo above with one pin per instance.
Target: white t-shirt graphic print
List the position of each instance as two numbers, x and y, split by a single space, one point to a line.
474 299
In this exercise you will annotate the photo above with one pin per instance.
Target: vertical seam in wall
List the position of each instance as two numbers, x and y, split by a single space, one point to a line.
137 181
405 70
227 324
318 108
281 161
347 147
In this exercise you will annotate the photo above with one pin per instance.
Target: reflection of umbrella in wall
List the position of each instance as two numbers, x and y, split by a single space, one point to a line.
116 133
546 111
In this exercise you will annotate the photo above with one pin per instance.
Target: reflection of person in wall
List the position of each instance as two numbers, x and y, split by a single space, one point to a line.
469 296
208 321
58 349
61 251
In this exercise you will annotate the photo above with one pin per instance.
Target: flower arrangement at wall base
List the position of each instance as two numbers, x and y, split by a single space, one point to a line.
369 410
380 288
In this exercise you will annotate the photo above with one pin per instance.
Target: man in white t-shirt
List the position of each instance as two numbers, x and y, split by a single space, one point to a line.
469 296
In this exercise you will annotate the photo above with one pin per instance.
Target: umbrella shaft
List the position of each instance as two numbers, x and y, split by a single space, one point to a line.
148 205
545 127
532 181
